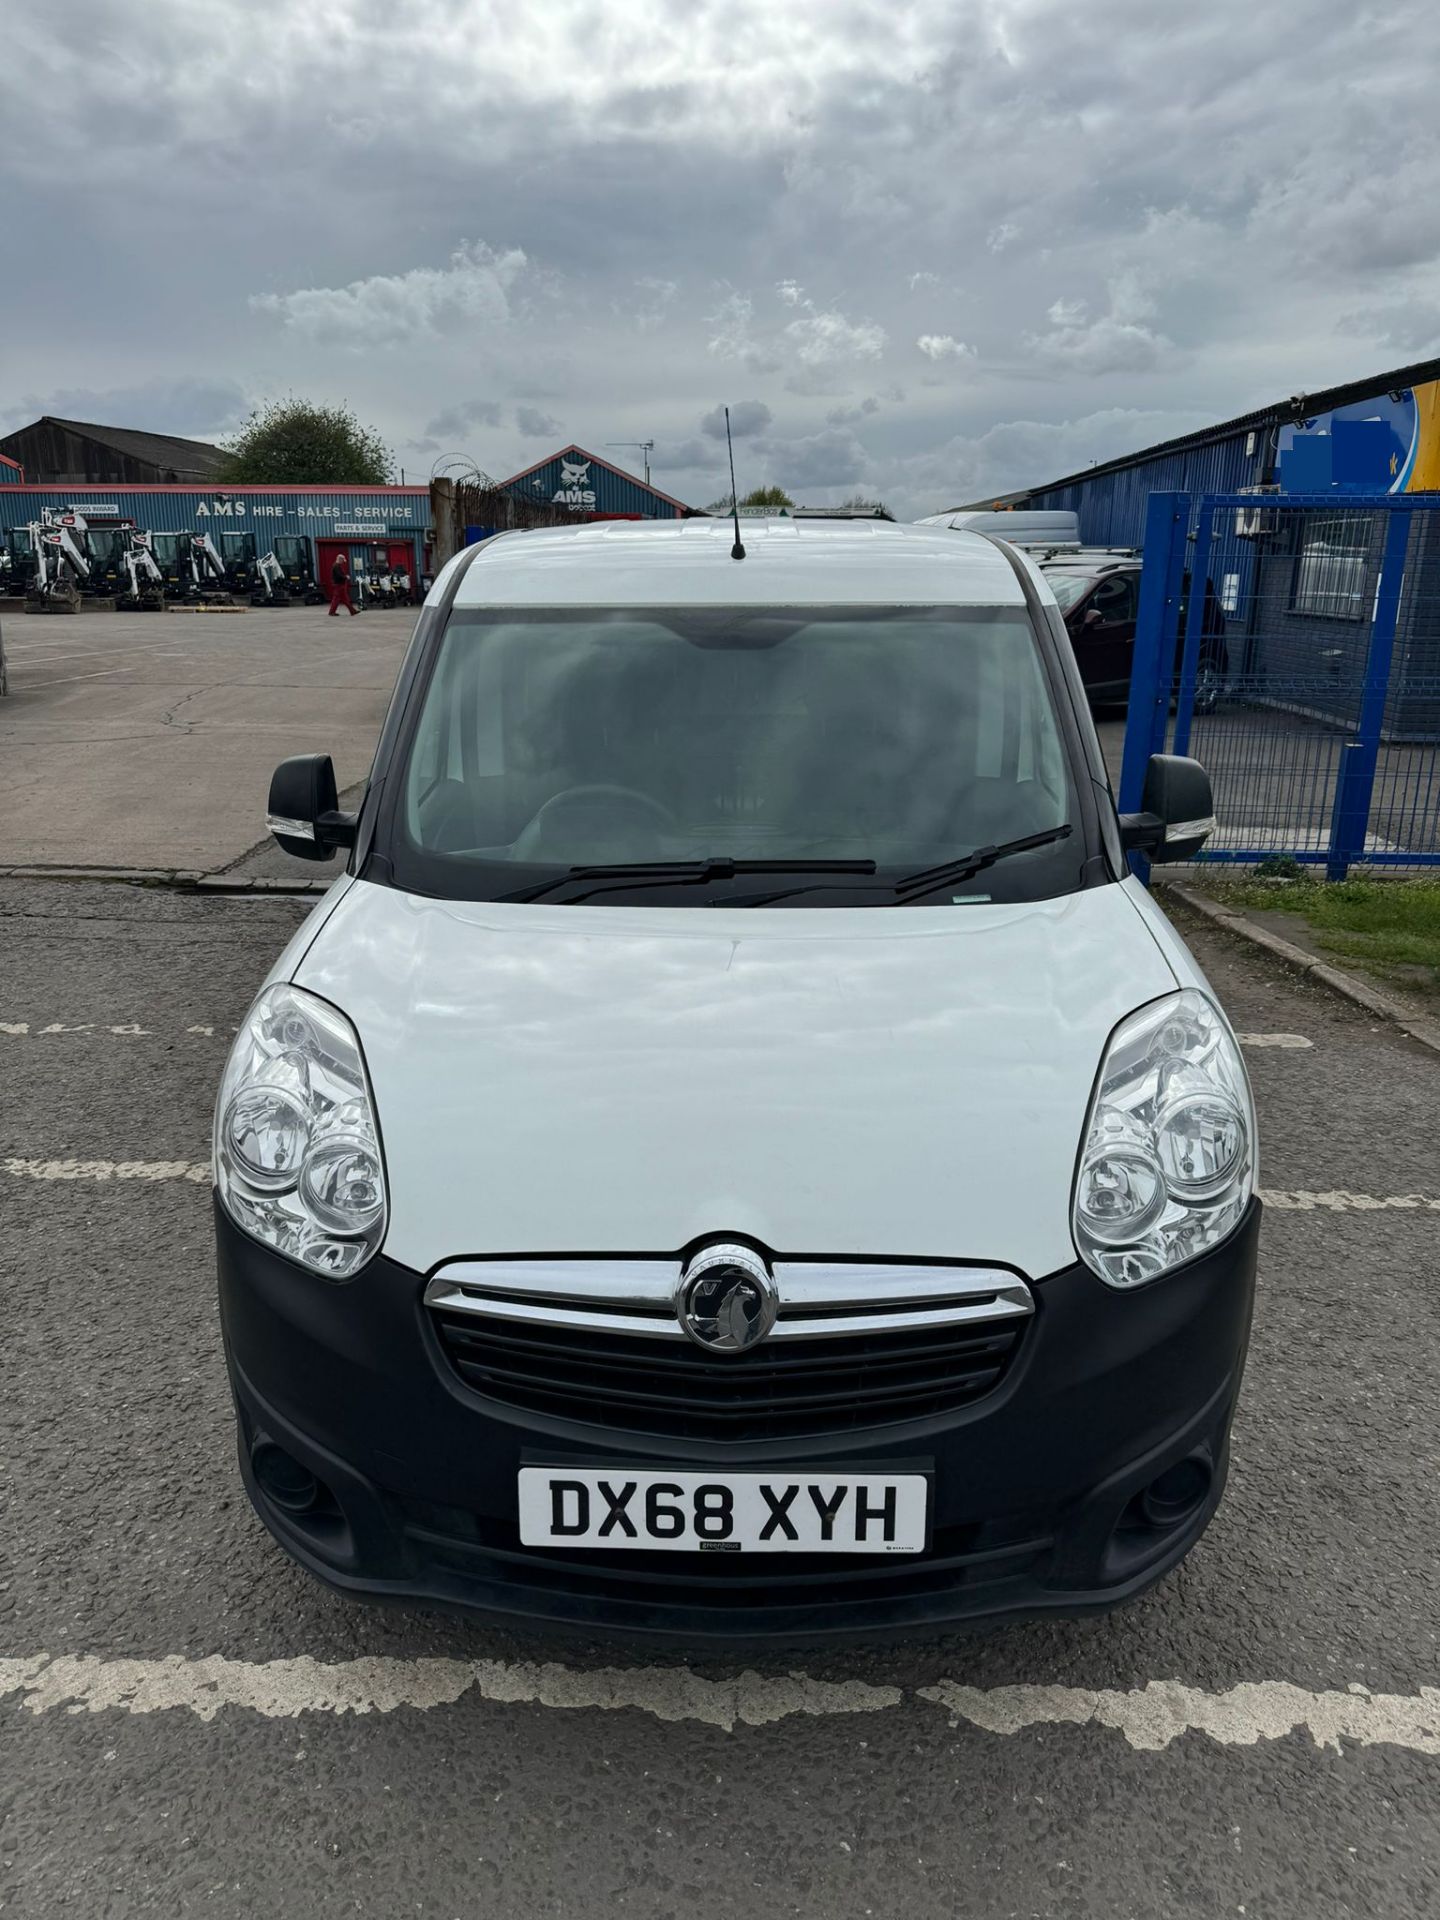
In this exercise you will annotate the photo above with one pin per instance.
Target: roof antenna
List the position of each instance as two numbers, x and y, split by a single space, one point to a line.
737 552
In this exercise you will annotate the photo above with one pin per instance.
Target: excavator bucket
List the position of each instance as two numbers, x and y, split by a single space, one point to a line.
63 597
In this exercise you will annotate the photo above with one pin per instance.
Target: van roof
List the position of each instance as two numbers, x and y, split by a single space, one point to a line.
788 562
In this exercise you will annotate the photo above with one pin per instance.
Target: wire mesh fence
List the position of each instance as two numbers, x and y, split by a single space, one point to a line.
1296 654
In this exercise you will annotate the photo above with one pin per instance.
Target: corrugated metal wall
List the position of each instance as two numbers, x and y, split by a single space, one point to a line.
319 513
1112 506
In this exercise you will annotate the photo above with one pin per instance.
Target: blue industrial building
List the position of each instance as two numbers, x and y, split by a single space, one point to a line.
1376 435
592 488
382 529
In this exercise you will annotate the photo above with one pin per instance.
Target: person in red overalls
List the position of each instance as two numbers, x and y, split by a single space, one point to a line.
340 584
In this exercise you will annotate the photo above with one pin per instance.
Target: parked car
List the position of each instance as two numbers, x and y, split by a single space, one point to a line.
1098 590
736 1153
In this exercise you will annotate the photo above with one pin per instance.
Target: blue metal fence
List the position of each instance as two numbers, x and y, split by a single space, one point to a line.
1292 644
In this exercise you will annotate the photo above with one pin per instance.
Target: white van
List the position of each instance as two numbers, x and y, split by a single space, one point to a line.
736 1152
1022 527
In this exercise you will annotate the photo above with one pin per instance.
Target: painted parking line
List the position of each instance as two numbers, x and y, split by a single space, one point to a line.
34 1029
125 1029
146 1172
1148 1718
151 1172
1299 1200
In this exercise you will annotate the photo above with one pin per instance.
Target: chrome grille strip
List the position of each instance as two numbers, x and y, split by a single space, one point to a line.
817 1300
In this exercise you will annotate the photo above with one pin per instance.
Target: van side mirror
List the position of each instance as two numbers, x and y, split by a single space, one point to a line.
303 811
1178 810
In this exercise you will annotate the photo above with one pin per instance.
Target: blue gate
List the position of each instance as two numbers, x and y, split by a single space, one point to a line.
1292 644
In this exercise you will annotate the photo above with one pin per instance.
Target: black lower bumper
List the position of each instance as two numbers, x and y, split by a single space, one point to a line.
1044 1491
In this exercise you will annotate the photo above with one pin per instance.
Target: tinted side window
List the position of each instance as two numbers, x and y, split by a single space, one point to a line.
1115 598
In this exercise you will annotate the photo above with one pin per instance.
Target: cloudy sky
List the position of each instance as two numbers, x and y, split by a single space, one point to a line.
929 250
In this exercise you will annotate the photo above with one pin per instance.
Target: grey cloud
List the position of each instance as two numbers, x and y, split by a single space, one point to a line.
848 416
536 425
1261 199
747 417
194 408
686 456
833 458
1408 326
1019 453
459 419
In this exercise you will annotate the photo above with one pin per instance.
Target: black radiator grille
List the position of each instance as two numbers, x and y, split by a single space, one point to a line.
785 1386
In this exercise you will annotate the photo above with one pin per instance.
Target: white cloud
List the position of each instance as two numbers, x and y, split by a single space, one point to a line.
734 337
1066 313
1116 341
657 297
817 341
827 339
1002 236
390 309
944 346
924 278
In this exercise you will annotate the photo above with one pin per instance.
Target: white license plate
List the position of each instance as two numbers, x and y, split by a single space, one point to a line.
686 1512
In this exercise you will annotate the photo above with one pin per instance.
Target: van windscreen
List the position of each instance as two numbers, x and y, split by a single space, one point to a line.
551 739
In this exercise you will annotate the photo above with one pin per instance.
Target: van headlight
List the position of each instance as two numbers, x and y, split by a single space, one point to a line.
1168 1162
297 1148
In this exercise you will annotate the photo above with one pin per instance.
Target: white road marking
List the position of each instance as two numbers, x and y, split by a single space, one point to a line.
1290 1041
1293 1201
281 1689
40 656
1301 1201
69 679
144 1170
1154 1715
124 1029
1149 1718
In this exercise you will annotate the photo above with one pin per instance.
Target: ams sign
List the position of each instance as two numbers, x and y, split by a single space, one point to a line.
574 489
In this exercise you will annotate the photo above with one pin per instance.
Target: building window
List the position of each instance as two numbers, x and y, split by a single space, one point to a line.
1333 571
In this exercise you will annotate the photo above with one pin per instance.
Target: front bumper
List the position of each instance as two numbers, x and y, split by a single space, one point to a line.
1039 1489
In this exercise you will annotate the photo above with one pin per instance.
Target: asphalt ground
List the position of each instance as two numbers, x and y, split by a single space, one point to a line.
147 740
1251 1738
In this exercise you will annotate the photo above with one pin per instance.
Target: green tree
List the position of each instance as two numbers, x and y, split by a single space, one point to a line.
292 443
767 497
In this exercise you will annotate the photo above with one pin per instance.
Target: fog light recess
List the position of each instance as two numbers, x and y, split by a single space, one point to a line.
1176 1494
284 1480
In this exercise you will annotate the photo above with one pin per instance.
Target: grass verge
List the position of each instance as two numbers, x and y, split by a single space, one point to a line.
1390 928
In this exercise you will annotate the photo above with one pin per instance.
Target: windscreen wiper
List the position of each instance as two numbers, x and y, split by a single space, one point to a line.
661 873
911 886
951 872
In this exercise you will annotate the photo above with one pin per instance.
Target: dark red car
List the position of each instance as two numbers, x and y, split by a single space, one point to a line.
1099 593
